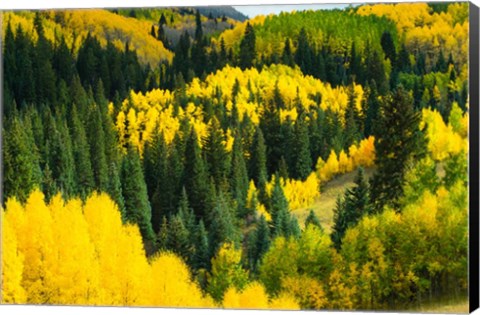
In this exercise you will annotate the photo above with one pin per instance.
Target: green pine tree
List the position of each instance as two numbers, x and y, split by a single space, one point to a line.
134 189
398 143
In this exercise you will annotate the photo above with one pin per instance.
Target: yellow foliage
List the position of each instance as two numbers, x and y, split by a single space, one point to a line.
69 253
12 264
172 285
285 301
74 25
361 155
442 139
299 193
427 31
252 297
308 291
141 113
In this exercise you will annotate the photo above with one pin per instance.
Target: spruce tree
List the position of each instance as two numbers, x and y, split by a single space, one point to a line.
178 238
114 188
355 204
313 219
388 47
134 189
287 56
398 143
216 155
81 155
201 259
195 175
303 54
222 228
96 139
21 163
303 160
260 242
247 48
239 177
258 160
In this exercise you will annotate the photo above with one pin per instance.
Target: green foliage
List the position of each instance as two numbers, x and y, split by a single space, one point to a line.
137 206
398 142
226 272
247 48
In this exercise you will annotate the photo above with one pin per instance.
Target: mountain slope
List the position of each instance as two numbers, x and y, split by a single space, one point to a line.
74 25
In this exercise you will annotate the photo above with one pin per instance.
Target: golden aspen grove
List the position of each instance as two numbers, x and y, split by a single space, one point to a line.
193 157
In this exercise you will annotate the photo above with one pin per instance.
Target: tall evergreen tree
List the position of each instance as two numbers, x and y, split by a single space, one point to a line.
81 155
355 205
21 172
259 243
222 228
195 175
202 256
398 142
303 160
216 155
303 54
247 48
287 55
96 139
258 160
388 46
134 189
239 176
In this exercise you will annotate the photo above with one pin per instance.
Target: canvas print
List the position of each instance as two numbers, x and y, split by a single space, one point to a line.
308 157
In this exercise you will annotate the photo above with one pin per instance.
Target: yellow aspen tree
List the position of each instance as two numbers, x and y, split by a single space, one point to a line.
39 248
12 260
104 228
171 284
76 265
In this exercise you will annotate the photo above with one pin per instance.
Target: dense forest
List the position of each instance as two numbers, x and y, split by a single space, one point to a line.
161 157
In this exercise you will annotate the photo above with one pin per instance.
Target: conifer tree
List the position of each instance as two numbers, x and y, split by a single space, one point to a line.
96 139
260 242
222 228
247 48
239 177
303 54
201 259
178 237
81 155
114 188
195 175
216 155
398 143
134 190
287 56
258 160
303 160
21 164
313 219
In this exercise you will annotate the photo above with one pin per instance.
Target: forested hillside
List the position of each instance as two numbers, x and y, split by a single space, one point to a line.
161 157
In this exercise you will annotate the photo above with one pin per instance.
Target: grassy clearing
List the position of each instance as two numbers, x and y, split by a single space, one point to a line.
445 305
325 205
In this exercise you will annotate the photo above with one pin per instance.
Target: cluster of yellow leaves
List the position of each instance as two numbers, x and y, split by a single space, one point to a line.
74 253
254 296
444 139
141 113
362 154
426 31
299 194
74 25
